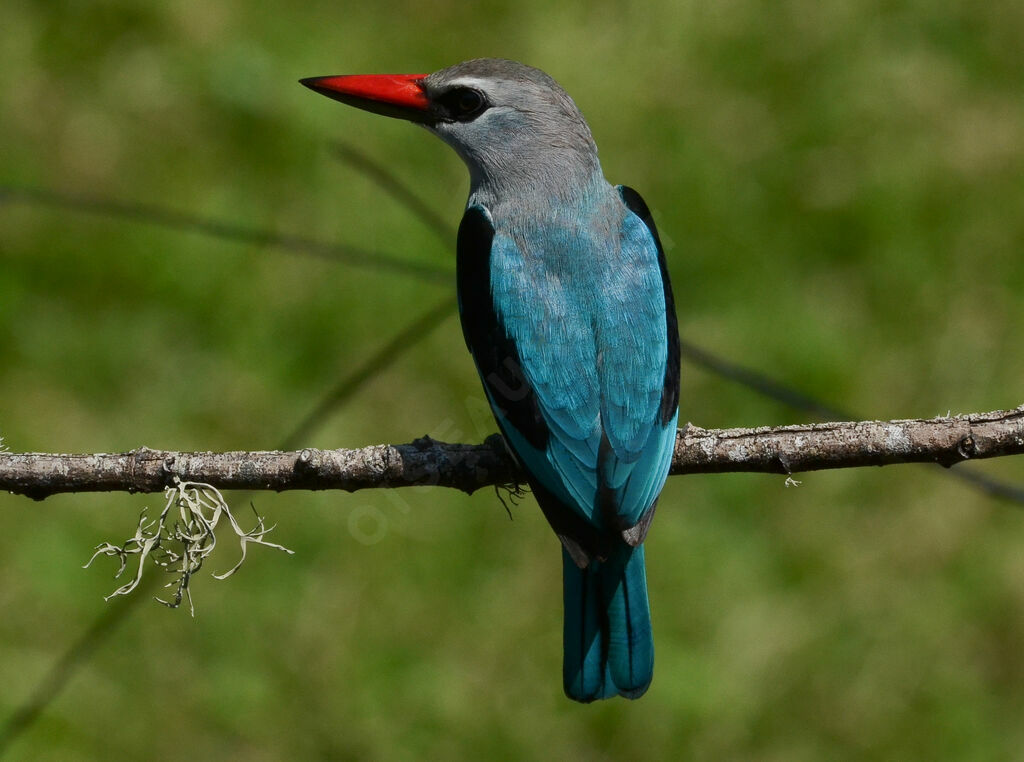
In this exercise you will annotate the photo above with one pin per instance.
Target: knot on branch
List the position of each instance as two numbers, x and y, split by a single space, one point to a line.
426 442
142 475
966 447
307 460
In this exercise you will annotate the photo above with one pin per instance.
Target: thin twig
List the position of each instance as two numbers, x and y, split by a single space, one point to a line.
190 223
391 184
393 350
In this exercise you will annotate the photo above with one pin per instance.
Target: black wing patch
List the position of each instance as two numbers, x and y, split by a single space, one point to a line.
670 394
500 368
495 353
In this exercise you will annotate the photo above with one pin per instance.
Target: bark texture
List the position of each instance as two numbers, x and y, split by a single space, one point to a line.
780 450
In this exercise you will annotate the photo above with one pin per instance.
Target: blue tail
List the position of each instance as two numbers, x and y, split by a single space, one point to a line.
609 646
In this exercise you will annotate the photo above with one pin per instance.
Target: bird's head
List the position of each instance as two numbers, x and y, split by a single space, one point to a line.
506 120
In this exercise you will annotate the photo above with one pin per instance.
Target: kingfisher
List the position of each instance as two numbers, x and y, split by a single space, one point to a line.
567 311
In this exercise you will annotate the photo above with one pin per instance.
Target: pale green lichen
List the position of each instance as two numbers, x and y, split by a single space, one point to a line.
182 547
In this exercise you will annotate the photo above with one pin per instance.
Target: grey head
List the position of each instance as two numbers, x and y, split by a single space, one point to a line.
515 128
512 124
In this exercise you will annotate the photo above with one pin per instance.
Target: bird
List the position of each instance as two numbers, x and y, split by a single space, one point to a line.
568 313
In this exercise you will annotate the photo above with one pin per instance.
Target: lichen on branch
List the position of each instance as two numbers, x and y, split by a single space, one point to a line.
181 538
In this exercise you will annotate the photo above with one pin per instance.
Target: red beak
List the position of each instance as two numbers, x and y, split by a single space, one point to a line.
398 95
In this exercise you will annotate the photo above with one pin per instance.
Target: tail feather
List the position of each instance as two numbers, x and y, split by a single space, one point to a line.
609 646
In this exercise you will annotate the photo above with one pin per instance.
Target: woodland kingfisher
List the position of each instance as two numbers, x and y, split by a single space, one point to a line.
567 310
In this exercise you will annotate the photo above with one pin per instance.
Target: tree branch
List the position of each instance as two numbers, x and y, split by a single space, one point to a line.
780 450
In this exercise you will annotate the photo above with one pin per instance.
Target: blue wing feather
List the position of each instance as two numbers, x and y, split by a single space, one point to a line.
590 334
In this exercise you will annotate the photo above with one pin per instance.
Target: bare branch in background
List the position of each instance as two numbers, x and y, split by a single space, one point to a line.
391 184
190 223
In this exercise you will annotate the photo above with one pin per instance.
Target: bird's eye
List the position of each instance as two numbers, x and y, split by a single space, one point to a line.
469 101
463 103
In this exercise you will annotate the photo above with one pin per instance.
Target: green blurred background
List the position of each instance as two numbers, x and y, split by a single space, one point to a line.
841 188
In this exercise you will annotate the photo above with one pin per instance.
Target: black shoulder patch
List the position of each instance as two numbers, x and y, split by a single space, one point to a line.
670 393
497 359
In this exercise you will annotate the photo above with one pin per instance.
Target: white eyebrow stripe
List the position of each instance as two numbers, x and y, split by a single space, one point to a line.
474 82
